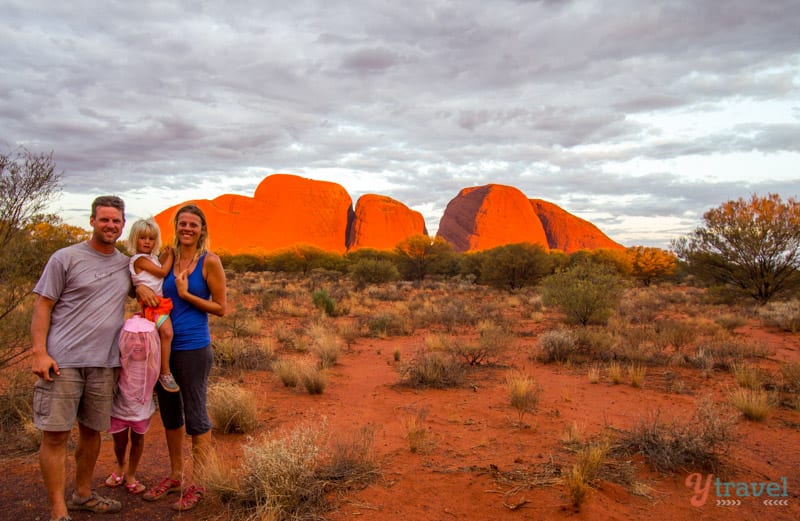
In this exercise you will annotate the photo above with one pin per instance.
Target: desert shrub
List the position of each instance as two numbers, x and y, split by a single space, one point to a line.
348 458
313 379
514 266
594 374
16 398
432 369
586 293
373 271
278 478
615 372
415 429
730 321
557 345
791 376
239 324
600 342
672 446
324 344
636 373
492 341
246 354
349 331
588 462
288 371
726 350
785 315
747 375
323 302
640 306
524 393
675 333
388 324
327 349
232 408
754 404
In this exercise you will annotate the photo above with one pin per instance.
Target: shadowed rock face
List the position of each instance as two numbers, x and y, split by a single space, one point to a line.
381 222
484 217
567 232
287 210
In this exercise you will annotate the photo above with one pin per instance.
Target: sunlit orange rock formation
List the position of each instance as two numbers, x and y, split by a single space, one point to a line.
288 210
484 217
567 232
381 222
285 210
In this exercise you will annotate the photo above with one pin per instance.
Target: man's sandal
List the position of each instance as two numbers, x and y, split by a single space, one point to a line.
190 498
94 503
166 486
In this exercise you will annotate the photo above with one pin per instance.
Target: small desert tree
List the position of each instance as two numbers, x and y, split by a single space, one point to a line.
650 264
750 246
28 182
419 256
586 293
514 266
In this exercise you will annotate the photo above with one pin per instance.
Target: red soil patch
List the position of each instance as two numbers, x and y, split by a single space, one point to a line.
476 446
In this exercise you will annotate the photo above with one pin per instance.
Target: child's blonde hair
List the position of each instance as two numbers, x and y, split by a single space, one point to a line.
142 227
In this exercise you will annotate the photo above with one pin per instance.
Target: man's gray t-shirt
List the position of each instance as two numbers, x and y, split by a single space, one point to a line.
89 289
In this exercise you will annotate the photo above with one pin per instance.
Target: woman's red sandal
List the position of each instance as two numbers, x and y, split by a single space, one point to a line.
190 498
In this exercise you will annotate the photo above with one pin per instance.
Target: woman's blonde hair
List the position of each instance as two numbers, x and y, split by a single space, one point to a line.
142 227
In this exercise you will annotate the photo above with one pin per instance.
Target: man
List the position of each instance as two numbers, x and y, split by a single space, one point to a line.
77 317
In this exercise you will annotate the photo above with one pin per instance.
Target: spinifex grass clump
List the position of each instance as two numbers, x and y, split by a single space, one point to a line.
524 393
232 408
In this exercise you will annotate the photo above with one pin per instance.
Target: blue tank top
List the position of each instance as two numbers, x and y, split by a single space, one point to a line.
190 325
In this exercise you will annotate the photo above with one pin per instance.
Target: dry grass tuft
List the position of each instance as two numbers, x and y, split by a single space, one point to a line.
637 373
524 393
416 431
232 408
288 371
755 404
432 369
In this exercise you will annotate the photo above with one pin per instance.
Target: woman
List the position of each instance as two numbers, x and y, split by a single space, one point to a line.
196 285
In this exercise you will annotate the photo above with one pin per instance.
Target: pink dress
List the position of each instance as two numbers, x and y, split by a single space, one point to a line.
140 357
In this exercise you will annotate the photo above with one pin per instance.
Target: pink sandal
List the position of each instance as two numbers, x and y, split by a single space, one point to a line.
135 487
191 496
114 480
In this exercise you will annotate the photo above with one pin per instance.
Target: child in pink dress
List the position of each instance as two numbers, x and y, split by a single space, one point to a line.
133 402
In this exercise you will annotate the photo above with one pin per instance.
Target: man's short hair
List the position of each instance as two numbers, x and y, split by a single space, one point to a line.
109 200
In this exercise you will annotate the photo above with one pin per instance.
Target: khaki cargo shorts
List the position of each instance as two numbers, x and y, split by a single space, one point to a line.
84 394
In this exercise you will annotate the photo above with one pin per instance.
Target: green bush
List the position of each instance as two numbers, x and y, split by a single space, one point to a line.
323 302
373 271
587 293
514 266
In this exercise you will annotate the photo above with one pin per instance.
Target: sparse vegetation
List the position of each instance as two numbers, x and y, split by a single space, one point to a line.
433 369
232 408
524 392
672 446
557 345
754 404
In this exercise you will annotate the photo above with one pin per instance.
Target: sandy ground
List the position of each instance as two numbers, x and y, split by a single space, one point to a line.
478 462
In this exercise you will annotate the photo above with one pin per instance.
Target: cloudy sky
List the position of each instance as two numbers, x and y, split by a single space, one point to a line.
638 116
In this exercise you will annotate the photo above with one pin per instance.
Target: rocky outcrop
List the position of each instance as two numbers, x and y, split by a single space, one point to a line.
569 233
484 217
285 210
381 222
288 210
